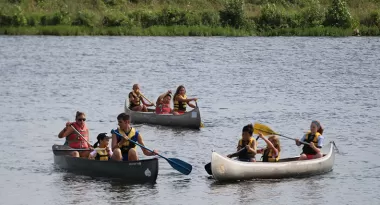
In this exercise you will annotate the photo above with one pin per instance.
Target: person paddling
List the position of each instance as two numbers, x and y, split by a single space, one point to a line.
136 101
123 149
180 100
104 153
77 135
272 152
163 103
247 145
315 139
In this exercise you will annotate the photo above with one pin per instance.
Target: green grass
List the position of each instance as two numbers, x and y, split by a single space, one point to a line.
187 17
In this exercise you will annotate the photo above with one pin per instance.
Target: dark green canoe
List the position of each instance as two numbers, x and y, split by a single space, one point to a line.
142 171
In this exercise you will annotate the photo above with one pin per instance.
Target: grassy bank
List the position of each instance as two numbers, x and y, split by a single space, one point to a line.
190 17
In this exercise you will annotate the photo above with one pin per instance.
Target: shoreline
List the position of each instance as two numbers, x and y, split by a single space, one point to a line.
62 30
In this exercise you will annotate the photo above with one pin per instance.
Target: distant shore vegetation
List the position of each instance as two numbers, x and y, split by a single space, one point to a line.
191 17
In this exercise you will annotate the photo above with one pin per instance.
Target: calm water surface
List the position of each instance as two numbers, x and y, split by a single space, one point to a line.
282 82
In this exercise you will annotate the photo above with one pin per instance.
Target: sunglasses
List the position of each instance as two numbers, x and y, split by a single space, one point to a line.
82 119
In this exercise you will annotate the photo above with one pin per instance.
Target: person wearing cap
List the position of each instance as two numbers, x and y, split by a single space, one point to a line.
315 139
122 147
101 150
163 103
136 101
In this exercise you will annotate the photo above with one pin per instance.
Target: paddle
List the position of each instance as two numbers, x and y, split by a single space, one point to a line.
208 165
80 135
265 130
177 164
147 99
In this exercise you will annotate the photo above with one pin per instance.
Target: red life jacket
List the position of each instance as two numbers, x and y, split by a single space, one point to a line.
76 141
163 109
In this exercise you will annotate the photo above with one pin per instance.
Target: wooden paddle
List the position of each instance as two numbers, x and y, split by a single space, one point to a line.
147 99
265 130
208 165
177 164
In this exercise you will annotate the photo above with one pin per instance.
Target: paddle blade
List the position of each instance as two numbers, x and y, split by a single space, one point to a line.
181 166
208 168
263 129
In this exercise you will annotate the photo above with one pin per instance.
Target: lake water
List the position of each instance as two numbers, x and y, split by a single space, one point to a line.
283 82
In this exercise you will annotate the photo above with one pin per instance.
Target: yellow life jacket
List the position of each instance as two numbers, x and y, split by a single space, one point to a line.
247 154
267 156
133 134
131 103
306 148
179 106
101 155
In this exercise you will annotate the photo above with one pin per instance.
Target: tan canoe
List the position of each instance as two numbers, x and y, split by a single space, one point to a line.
226 169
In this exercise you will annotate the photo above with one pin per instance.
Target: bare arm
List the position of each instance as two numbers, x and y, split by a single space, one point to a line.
181 99
252 148
114 144
67 132
60 135
269 143
145 151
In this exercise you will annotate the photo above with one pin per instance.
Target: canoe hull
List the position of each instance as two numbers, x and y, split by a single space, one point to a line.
142 171
191 119
226 169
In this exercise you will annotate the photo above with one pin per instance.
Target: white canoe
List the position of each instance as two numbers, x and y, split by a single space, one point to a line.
226 169
191 119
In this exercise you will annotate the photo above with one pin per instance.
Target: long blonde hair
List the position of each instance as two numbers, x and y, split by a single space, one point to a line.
277 142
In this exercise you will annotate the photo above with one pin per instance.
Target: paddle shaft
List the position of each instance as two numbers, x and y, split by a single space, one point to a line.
80 135
273 133
147 99
136 143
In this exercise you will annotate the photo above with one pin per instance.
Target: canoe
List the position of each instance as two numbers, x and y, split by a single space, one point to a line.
226 169
191 119
142 171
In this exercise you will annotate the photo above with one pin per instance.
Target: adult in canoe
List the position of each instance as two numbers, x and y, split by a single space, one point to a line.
315 139
103 154
136 100
272 152
77 135
180 100
123 149
247 145
163 103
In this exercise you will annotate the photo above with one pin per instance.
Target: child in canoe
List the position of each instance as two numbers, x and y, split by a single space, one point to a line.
272 152
101 150
246 149
315 139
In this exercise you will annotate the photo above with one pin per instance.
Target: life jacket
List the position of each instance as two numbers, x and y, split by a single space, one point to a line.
131 103
268 155
102 155
245 154
133 135
309 138
74 140
179 106
163 109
